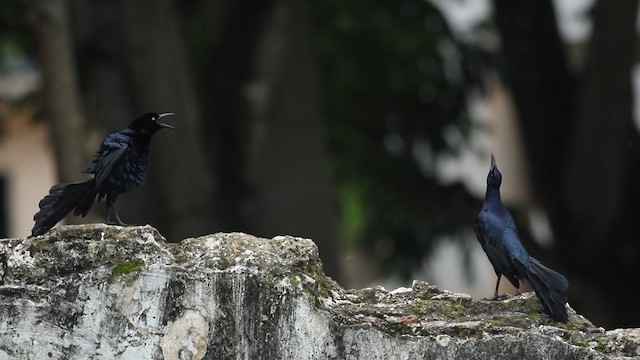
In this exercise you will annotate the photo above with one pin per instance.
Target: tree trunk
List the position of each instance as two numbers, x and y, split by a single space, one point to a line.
158 72
601 174
49 24
228 43
582 147
288 168
536 69
258 77
99 36
50 27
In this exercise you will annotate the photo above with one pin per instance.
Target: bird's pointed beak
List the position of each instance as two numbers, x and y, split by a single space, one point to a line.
493 162
160 116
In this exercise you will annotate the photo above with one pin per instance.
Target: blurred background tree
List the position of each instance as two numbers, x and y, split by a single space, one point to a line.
583 147
395 79
328 120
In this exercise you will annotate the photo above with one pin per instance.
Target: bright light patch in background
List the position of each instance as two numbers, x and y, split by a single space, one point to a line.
540 227
635 82
573 19
463 15
469 163
18 77
459 266
572 16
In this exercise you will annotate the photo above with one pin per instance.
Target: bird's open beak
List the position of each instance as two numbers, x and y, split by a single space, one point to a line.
493 162
160 116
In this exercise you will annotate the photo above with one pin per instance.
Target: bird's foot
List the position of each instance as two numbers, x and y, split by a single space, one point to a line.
498 297
115 223
118 222
113 218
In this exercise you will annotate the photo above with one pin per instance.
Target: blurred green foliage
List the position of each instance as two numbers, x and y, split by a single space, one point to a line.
393 79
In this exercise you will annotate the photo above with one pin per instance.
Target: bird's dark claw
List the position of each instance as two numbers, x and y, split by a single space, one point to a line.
117 223
113 213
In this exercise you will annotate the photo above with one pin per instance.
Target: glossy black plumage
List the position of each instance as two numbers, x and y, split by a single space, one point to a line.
497 233
120 166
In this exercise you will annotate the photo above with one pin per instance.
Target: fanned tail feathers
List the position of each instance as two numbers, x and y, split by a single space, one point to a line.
62 199
551 288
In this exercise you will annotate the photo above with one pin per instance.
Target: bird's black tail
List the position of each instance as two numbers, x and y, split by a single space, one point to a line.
551 288
61 200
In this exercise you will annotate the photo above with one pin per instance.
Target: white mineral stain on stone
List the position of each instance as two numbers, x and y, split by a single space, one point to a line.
186 337
141 300
307 279
400 290
136 353
284 284
450 295
307 334
443 340
147 238
239 290
20 256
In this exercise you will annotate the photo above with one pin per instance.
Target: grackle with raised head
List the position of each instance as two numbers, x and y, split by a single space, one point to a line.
497 233
120 166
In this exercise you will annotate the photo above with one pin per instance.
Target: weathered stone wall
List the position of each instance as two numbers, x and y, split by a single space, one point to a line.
104 292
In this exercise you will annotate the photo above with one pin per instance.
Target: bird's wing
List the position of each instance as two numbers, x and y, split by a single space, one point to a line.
481 230
511 245
517 255
110 153
489 230
497 236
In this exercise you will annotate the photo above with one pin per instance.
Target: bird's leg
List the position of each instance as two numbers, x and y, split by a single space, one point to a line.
495 293
518 291
116 221
111 210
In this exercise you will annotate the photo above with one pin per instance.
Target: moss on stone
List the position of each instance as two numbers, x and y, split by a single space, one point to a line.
466 332
435 308
600 347
322 285
367 295
395 327
520 321
127 267
425 290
